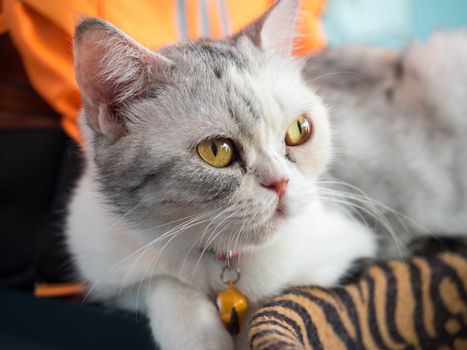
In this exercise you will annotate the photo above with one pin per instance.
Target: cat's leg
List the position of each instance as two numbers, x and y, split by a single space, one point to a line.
183 318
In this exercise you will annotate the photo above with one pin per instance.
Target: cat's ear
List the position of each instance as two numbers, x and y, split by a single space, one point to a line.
111 69
276 29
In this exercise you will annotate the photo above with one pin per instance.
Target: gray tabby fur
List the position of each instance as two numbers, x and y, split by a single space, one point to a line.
400 123
199 98
149 215
149 220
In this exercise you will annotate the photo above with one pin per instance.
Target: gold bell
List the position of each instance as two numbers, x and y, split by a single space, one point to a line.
232 305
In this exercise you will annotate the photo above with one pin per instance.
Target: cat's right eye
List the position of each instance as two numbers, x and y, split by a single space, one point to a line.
217 152
299 131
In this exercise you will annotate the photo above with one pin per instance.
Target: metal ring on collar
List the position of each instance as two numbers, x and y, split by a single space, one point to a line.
232 270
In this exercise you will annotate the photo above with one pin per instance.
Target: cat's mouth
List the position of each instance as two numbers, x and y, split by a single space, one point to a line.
257 235
266 229
252 230
280 211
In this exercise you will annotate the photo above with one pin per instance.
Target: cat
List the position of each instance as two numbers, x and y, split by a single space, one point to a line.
197 150
400 124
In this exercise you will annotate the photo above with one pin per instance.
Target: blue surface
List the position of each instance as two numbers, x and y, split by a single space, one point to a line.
391 23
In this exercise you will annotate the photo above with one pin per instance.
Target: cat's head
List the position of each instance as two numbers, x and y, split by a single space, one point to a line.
218 140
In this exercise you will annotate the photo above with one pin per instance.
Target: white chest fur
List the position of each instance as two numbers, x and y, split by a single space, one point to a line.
316 247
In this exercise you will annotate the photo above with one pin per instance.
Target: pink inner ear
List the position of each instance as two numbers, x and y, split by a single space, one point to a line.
94 67
87 87
111 69
97 90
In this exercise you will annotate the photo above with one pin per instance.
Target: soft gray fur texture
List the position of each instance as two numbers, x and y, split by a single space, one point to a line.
400 123
197 90
150 219
149 216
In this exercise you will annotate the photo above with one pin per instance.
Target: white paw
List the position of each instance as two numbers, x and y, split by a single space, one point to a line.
217 341
201 329
209 333
199 339
183 318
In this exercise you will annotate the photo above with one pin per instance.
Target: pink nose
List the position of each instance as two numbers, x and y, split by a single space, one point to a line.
278 186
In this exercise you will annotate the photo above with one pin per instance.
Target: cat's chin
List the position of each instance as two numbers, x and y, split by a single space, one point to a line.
266 233
280 213
258 236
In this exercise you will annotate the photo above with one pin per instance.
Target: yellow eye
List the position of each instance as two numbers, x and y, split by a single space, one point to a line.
217 152
298 132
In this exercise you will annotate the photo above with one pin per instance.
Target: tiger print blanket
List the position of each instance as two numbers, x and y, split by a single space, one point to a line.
420 303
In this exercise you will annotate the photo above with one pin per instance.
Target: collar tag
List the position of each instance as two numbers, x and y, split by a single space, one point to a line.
231 303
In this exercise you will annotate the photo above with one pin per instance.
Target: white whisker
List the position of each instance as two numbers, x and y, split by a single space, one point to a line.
212 237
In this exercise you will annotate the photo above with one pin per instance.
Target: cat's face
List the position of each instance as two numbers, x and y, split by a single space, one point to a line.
218 141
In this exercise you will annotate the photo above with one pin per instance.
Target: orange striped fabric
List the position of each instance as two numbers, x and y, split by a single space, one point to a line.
418 303
42 32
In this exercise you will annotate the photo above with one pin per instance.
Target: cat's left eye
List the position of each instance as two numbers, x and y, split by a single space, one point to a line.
217 152
298 132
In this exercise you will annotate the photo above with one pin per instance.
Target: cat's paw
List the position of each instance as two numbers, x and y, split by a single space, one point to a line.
202 336
208 332
214 341
183 318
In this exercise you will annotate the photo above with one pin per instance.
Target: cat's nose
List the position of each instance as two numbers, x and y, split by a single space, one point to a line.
279 186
